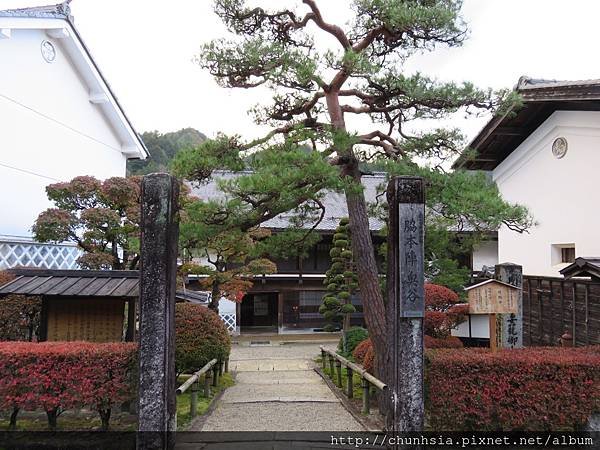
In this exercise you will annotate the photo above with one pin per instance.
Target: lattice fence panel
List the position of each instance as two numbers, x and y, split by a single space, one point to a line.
229 321
25 254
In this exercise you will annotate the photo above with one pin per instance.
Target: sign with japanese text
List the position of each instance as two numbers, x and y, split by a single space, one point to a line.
411 219
493 297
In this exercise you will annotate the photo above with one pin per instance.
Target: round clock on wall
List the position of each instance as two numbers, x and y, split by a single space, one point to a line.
559 147
48 51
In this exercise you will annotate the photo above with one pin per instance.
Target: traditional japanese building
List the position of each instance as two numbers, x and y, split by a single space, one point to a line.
544 156
60 119
288 301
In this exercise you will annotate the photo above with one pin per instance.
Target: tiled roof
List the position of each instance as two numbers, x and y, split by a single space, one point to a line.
73 283
334 202
59 11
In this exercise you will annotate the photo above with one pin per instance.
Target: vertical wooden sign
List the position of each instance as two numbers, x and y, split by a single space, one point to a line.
510 334
406 303
158 267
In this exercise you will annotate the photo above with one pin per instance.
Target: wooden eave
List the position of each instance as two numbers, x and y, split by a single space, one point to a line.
582 267
503 134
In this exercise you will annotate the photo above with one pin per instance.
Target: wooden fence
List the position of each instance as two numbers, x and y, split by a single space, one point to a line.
553 306
367 380
217 368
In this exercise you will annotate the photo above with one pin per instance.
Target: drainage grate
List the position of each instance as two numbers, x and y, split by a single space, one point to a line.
257 343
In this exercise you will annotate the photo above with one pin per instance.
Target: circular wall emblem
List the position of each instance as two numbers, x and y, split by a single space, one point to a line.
559 147
48 51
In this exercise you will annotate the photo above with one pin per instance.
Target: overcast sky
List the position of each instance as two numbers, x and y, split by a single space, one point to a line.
145 50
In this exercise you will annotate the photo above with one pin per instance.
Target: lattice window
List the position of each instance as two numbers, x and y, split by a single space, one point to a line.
27 254
229 321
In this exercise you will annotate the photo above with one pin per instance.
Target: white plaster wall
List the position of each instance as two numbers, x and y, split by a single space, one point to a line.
485 254
226 306
480 327
49 130
558 192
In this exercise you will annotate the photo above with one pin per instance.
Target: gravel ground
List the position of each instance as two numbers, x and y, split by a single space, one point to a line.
277 390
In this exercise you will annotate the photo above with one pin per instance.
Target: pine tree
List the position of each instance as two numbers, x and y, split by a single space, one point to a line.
315 91
341 281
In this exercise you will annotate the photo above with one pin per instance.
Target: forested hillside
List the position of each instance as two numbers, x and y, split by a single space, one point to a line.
162 148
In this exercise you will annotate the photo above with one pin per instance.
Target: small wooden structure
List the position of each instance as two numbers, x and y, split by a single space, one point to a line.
583 268
80 305
493 297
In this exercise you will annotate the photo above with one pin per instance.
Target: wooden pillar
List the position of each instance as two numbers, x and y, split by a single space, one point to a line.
366 399
406 304
131 317
280 310
44 320
512 324
349 382
158 266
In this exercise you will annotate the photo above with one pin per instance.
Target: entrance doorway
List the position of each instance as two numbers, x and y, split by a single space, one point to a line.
258 313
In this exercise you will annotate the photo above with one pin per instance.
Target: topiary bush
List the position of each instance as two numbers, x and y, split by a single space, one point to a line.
354 336
341 281
200 335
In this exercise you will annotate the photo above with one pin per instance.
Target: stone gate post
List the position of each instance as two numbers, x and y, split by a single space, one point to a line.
158 266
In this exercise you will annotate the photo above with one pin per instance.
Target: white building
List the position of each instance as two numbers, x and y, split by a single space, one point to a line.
545 156
59 119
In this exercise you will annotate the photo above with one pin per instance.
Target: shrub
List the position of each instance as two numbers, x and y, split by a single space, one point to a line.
361 350
354 336
443 311
369 361
19 314
56 376
364 354
525 389
449 342
200 336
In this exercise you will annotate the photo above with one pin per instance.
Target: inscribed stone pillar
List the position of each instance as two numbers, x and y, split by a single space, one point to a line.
406 304
511 325
158 266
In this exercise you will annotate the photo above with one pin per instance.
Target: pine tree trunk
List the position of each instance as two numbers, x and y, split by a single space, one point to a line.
214 297
362 248
368 277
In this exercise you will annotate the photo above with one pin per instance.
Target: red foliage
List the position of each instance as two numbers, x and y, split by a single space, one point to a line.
449 342
369 361
55 376
200 336
361 350
526 389
364 354
443 311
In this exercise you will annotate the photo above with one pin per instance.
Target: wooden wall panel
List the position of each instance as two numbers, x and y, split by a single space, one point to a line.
85 319
553 306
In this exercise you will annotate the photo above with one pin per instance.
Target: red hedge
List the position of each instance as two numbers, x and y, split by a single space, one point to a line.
200 335
527 389
449 342
55 376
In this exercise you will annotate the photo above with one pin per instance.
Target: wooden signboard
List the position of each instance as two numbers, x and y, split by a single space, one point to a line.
85 319
493 297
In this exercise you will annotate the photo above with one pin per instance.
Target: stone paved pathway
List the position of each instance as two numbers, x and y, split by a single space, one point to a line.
277 390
